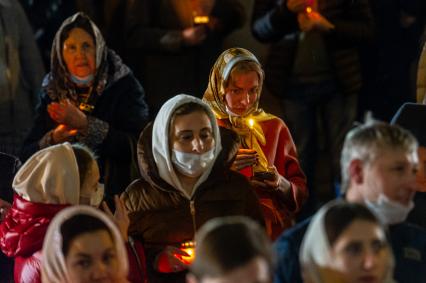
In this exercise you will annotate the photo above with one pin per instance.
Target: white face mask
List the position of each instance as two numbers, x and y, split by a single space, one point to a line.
97 197
389 211
192 164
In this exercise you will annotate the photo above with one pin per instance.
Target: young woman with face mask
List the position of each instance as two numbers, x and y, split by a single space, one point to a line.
51 180
345 243
186 180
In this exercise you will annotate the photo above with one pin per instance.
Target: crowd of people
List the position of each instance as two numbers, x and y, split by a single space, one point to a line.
190 179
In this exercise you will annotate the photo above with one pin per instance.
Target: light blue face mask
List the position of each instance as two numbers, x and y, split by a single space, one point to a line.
82 81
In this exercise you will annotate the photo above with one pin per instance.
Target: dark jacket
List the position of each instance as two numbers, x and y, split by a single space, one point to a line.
273 22
155 47
408 243
160 215
122 106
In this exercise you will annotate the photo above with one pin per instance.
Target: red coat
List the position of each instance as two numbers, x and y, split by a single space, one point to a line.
21 236
22 233
279 209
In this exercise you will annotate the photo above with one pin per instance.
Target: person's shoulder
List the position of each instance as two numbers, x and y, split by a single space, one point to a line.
293 235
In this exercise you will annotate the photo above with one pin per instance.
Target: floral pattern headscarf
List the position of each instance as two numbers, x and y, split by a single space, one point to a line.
252 136
58 85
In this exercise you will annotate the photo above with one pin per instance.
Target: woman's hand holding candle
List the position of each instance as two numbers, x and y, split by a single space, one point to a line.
244 158
169 260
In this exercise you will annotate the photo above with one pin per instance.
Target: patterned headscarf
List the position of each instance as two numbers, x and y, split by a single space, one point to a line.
58 83
214 96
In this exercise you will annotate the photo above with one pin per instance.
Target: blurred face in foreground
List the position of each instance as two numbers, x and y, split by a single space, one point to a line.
92 257
359 255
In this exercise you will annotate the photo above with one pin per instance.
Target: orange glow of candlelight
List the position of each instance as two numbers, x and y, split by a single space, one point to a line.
189 248
251 123
198 20
308 9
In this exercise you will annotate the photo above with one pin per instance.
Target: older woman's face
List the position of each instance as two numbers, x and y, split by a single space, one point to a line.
241 92
79 53
92 257
192 133
361 253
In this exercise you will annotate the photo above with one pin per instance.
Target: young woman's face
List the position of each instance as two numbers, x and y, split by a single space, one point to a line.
92 257
79 53
241 93
361 253
255 271
192 133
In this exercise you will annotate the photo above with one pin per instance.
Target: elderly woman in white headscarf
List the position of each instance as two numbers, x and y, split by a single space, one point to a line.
83 244
186 180
49 181
345 243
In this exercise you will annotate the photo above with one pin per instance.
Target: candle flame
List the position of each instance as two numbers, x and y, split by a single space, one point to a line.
189 248
201 20
308 10
251 123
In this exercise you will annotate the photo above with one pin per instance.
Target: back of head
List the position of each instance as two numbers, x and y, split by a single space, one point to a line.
54 175
365 142
224 244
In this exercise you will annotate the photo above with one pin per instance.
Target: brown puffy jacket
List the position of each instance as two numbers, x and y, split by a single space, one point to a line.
160 215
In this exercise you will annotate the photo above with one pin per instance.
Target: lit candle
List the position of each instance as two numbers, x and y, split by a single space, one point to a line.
309 9
189 248
251 124
199 20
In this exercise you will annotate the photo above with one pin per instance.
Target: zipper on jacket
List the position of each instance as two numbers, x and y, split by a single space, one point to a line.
192 209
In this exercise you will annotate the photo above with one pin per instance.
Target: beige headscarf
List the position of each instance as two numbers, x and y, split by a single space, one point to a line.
215 97
50 176
315 251
54 269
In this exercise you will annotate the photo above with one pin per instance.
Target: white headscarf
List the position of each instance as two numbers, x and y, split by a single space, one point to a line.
160 141
49 176
315 251
54 269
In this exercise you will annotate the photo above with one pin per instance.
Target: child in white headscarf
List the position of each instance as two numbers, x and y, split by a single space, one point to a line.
346 243
77 244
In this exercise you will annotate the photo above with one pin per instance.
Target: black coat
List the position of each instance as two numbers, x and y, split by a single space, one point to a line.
122 106
273 22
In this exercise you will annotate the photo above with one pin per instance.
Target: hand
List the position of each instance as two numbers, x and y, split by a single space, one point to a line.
194 35
120 216
67 113
279 183
297 6
244 158
168 260
313 21
4 208
62 134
